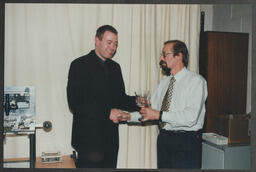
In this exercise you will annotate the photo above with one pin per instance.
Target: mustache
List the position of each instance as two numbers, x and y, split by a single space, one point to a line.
165 69
162 63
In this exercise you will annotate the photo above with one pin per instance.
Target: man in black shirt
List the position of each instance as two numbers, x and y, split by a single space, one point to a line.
95 91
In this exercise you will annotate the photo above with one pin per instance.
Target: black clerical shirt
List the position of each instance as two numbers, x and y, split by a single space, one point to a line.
94 88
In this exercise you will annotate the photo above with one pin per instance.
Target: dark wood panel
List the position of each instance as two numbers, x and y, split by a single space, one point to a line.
223 62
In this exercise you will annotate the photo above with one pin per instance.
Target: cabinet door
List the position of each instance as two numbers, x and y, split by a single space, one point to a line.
212 157
223 62
225 157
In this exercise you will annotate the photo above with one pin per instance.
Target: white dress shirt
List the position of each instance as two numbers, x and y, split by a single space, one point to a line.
187 107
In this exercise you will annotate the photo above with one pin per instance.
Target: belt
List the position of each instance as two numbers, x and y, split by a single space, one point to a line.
179 131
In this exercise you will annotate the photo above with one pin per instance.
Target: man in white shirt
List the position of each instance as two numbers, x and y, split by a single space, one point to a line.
182 118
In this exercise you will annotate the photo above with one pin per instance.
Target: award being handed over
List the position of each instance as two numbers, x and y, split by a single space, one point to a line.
143 99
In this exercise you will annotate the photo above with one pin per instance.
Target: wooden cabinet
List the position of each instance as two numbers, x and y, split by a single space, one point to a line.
223 61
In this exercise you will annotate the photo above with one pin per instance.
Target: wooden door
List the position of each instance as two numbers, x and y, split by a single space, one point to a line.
223 62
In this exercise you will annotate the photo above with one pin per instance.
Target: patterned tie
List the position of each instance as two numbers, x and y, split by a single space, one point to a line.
167 100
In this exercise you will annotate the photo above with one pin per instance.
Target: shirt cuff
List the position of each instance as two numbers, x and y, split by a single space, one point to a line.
134 117
163 117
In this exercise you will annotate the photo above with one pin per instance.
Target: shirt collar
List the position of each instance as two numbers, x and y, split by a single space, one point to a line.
180 74
98 58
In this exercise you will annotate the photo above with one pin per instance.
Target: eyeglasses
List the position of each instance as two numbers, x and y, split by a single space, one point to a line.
165 54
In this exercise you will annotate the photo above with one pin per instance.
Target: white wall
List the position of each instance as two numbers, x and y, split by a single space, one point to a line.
208 9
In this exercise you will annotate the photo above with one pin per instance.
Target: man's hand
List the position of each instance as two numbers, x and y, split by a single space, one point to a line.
124 116
149 114
117 115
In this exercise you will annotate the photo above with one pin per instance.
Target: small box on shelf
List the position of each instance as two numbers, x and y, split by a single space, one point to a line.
233 126
51 157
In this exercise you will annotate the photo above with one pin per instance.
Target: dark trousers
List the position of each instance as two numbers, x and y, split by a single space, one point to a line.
96 159
179 149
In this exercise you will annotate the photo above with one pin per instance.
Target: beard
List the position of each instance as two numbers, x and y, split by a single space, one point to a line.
165 70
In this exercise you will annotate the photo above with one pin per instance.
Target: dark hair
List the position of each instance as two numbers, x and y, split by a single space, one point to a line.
180 47
102 29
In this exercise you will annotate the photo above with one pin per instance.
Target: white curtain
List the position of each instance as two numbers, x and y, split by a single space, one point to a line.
41 40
